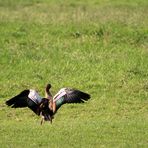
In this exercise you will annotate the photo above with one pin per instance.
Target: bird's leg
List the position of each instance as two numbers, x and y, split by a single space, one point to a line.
50 119
42 119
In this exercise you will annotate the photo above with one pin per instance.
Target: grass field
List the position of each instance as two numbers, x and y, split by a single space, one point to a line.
100 47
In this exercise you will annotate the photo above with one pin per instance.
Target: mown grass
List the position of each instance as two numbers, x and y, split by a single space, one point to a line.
97 46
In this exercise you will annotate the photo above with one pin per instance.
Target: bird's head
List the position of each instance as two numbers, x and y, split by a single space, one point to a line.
48 86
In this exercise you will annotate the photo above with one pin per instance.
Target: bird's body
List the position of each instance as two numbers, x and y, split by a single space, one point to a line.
47 107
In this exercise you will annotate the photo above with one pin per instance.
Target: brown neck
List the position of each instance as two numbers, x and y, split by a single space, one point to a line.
47 92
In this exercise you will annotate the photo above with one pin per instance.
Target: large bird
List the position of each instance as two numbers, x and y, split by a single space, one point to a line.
48 106
31 99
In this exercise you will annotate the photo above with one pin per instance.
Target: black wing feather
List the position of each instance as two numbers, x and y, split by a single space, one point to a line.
22 100
19 101
75 96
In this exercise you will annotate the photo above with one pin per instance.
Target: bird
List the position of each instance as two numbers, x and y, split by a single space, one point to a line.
30 98
47 107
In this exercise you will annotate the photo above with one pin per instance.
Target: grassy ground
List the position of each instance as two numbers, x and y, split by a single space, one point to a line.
100 47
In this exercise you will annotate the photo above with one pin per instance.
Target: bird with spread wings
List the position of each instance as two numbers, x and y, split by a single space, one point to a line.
47 107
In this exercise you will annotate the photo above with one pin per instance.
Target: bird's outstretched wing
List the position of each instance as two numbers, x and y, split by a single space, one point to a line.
20 100
75 96
31 99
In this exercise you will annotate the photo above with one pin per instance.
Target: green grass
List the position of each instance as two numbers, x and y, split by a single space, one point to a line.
100 47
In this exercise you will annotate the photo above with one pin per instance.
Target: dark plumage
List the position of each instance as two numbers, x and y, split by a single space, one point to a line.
47 107
39 106
75 96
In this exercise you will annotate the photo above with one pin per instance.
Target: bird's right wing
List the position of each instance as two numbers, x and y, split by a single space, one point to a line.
75 96
20 100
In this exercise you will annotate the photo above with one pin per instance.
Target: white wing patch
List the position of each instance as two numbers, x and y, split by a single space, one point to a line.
60 94
34 96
